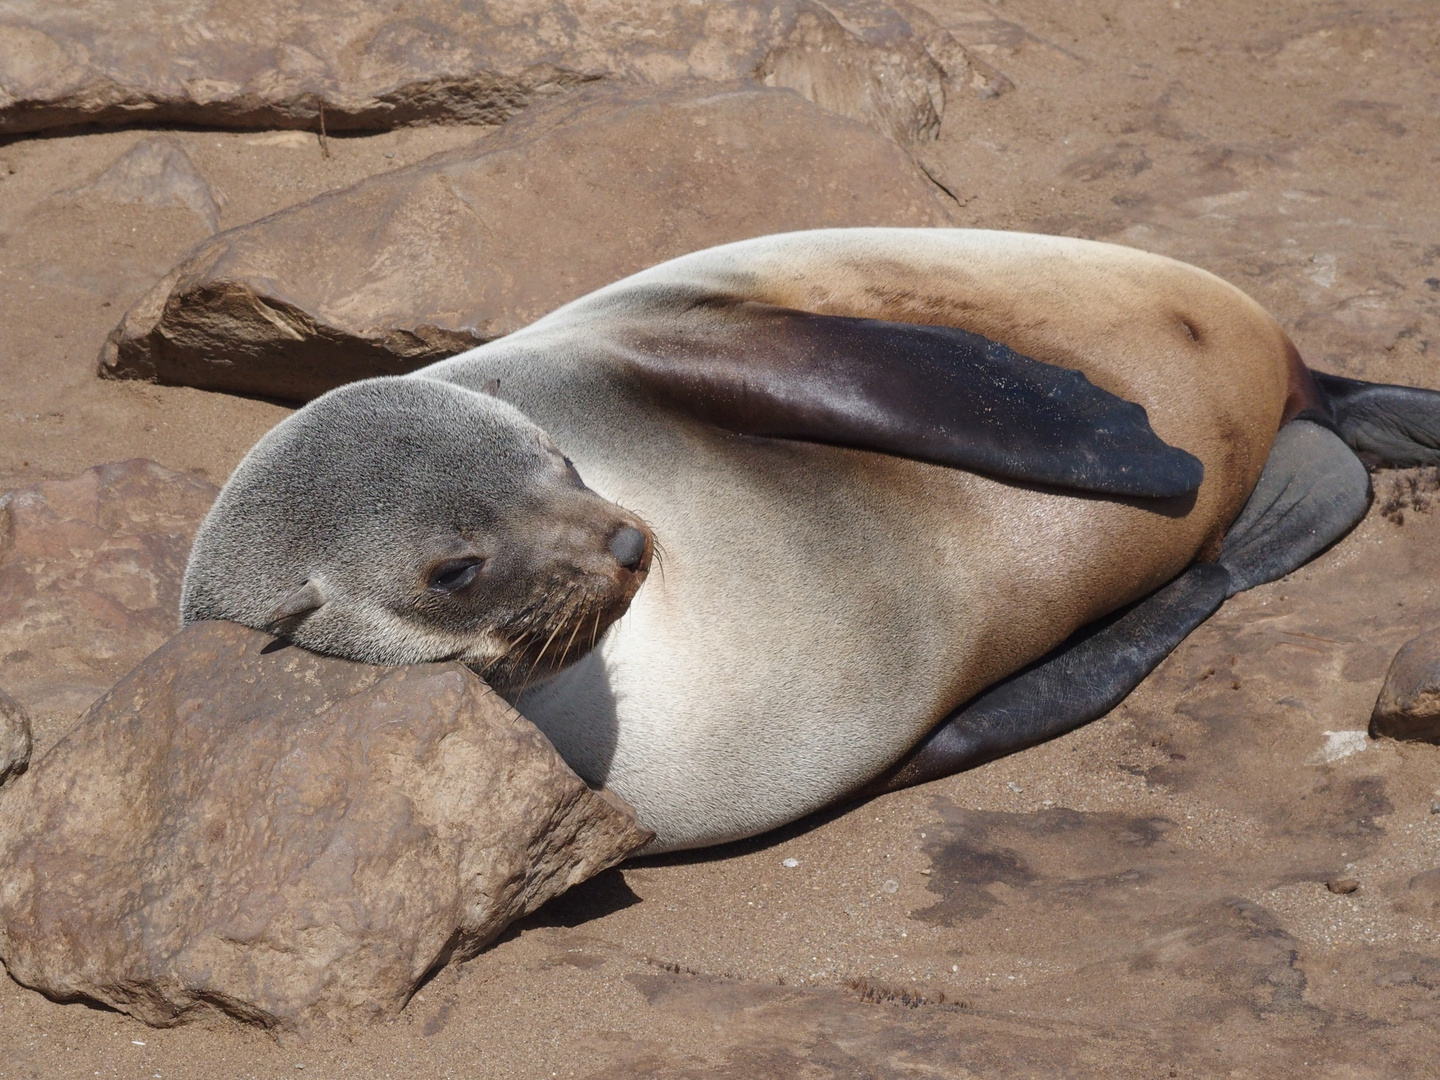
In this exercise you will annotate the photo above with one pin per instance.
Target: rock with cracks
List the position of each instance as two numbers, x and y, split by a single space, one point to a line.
90 572
1409 702
423 262
330 64
285 837
14 738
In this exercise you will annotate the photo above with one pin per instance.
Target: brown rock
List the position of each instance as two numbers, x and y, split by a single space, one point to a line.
1342 886
1409 702
285 837
350 67
90 572
156 172
423 262
14 738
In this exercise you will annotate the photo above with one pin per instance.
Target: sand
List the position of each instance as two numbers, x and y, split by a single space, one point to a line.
1143 898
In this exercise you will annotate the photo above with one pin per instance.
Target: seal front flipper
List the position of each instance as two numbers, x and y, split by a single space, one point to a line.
1080 680
930 392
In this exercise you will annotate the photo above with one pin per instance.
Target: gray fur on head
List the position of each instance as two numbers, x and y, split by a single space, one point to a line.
348 526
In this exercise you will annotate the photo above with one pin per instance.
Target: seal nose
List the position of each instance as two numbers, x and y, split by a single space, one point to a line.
628 547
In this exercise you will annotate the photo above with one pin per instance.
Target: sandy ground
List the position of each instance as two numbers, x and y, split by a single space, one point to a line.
1143 898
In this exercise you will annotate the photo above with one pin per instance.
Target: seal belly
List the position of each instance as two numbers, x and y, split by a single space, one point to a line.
816 611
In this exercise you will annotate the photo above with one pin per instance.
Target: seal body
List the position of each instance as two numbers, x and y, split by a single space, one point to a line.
817 609
894 483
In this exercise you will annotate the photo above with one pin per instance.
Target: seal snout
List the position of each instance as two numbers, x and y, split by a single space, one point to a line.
630 547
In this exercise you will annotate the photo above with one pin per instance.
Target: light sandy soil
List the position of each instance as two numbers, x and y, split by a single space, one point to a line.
1143 898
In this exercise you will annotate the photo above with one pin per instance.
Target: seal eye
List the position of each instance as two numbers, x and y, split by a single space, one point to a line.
452 575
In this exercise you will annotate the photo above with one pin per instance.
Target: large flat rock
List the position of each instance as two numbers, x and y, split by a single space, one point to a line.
285 837
90 572
288 63
418 264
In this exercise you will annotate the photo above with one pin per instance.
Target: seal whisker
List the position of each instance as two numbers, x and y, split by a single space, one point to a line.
559 625
573 631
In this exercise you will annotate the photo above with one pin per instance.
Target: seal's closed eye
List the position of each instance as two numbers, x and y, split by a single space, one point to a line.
452 575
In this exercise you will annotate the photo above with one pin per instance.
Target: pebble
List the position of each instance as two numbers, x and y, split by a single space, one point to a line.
1406 708
791 863
1342 886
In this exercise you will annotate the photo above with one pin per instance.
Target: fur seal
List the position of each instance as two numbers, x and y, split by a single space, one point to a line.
916 498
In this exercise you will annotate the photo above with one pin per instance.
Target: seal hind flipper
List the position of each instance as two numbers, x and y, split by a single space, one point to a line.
1079 680
1312 491
1395 426
930 392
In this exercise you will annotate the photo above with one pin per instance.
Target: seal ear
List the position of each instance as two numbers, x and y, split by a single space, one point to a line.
930 392
302 601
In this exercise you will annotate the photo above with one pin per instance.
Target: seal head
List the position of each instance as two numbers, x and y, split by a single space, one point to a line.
406 520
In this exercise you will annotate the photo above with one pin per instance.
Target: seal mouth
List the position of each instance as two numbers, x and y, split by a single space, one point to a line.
563 623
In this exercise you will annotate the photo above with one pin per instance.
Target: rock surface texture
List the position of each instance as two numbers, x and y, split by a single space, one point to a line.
424 262
90 573
285 837
14 737
366 67
1409 702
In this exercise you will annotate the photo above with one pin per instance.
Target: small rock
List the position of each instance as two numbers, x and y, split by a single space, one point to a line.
1342 886
428 260
14 738
283 836
157 172
1409 703
790 863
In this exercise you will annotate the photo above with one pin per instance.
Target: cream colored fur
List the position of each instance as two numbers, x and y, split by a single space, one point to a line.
817 610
